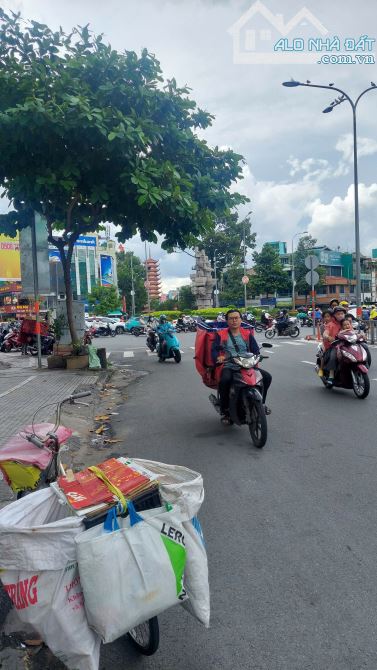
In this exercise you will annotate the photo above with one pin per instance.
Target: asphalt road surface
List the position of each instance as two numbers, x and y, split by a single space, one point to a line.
290 529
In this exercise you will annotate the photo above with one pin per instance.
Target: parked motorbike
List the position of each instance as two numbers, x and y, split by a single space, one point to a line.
168 346
11 342
138 330
104 331
291 330
152 339
47 346
245 398
352 368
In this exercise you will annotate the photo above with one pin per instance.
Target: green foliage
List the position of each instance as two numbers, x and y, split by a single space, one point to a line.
269 276
104 299
226 240
231 287
125 279
305 247
186 298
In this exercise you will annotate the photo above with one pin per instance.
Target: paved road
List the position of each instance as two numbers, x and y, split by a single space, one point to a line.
290 530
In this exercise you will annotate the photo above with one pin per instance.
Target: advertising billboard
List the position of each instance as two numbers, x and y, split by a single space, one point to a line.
27 272
10 265
107 275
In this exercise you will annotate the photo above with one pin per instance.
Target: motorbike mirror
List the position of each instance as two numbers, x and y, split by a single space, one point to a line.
267 345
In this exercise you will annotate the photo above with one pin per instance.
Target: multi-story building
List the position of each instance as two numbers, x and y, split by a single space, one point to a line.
154 278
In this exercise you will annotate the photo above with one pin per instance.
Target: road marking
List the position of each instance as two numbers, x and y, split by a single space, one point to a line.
151 353
128 354
108 353
14 388
193 348
309 362
295 344
182 352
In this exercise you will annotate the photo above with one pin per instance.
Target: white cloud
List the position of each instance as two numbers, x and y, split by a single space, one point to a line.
333 223
365 146
316 169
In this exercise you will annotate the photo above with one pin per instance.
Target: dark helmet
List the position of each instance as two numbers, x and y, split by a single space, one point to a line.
163 318
339 309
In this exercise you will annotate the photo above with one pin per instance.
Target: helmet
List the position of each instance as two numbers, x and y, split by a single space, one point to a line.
344 303
162 318
339 309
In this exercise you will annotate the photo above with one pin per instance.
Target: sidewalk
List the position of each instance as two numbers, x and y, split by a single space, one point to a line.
24 389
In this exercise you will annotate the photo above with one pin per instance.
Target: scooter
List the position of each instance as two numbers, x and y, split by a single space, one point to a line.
292 329
105 331
152 339
245 398
11 341
352 368
168 346
47 346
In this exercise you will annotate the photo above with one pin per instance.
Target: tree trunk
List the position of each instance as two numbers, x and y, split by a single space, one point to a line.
66 258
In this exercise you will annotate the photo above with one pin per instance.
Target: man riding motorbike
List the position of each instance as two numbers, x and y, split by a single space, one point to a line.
162 328
282 321
235 340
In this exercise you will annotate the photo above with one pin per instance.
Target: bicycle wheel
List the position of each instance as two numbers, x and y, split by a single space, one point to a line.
146 637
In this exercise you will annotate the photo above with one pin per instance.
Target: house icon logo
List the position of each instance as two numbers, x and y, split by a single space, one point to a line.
258 30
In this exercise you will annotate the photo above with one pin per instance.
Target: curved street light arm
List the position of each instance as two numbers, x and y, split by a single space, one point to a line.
334 88
371 88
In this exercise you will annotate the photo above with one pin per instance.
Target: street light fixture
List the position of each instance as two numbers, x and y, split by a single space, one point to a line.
344 96
244 255
305 232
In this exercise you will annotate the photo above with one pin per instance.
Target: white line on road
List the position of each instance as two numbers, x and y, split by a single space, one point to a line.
128 354
17 386
295 344
309 362
108 354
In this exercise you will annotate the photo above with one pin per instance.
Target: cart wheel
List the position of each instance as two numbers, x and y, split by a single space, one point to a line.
146 637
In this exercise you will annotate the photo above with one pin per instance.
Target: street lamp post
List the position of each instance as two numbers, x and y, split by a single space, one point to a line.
293 270
244 256
344 96
132 288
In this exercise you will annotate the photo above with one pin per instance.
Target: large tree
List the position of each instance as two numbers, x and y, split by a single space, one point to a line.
104 299
89 135
305 248
231 287
226 240
268 275
124 272
186 299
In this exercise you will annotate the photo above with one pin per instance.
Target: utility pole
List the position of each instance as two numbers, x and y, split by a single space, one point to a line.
132 287
36 288
147 280
244 262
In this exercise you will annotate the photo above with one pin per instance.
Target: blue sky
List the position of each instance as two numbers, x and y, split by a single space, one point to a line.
298 171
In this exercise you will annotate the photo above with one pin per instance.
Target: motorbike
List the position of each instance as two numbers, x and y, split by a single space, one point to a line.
260 326
291 330
152 339
245 398
47 346
31 460
11 342
353 363
168 346
104 331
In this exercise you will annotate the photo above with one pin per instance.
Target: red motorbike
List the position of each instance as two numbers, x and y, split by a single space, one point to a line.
353 361
11 342
245 398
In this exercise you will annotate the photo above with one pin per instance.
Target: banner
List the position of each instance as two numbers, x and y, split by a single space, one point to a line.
107 275
27 273
10 267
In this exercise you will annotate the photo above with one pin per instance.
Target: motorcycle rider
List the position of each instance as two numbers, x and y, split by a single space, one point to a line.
163 327
329 336
245 342
282 321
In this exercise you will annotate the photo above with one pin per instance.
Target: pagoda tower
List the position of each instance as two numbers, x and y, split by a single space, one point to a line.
154 278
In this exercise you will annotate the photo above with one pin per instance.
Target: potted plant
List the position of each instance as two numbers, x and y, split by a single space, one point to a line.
79 359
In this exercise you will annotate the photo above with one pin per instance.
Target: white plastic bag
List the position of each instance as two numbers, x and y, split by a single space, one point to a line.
179 486
196 573
39 571
131 574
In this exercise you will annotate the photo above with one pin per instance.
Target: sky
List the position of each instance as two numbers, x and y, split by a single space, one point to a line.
298 169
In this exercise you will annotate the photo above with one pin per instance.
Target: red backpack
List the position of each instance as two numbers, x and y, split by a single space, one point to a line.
204 363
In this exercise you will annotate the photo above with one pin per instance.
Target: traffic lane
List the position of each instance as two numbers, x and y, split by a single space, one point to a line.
289 530
126 342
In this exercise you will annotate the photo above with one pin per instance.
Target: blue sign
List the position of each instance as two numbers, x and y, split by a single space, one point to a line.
271 302
54 253
107 275
86 241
